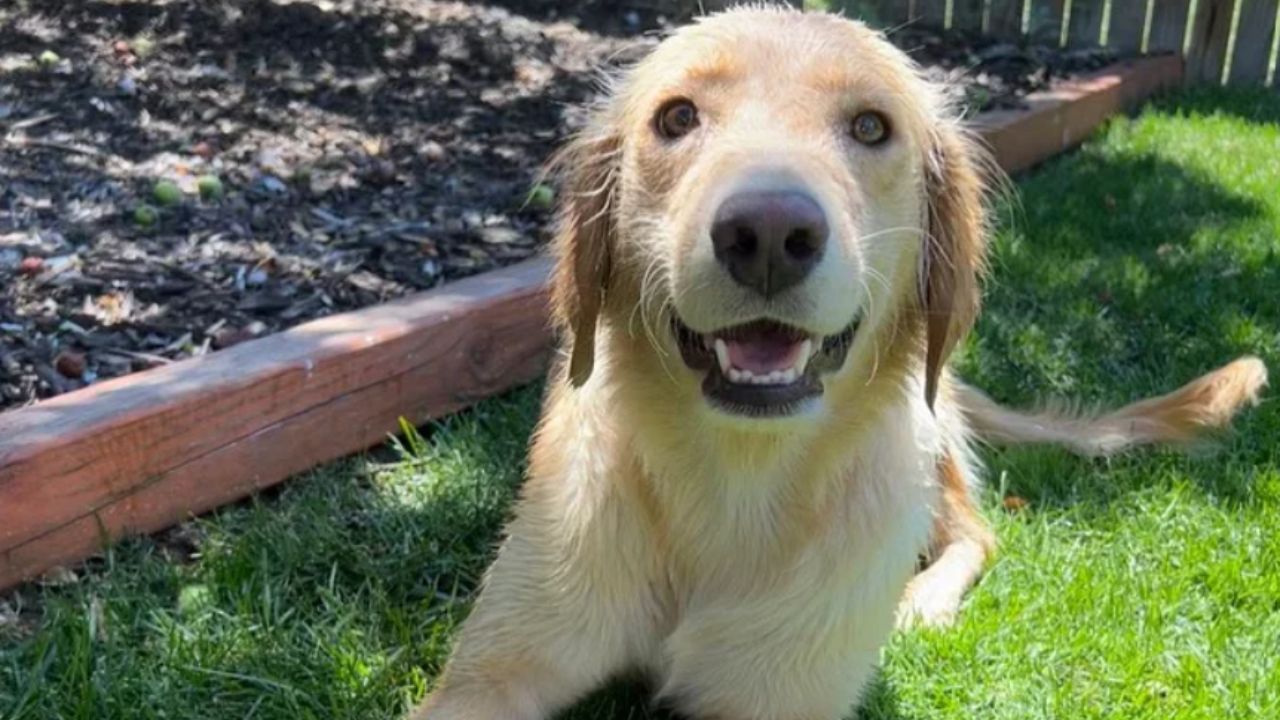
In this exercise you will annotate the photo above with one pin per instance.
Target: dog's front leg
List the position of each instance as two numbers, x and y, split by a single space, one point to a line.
567 604
960 545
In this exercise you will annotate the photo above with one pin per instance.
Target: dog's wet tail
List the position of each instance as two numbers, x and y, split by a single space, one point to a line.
1206 403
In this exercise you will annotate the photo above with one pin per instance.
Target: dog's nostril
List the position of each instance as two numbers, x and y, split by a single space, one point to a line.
745 242
800 244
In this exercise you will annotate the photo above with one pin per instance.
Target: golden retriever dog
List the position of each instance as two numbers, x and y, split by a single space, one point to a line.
771 239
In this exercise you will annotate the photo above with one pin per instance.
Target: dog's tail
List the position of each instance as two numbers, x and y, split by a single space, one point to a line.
1204 404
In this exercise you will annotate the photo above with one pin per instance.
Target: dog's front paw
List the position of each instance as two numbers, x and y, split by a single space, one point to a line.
928 603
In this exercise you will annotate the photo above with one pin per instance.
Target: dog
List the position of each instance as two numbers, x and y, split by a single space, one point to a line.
771 239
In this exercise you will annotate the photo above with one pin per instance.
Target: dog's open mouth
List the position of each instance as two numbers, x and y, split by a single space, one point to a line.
762 368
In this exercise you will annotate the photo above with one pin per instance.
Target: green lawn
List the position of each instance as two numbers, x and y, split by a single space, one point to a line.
1147 586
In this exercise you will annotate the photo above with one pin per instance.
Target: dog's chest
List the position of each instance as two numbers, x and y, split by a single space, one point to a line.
756 567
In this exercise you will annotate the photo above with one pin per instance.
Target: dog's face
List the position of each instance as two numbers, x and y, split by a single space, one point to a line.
759 195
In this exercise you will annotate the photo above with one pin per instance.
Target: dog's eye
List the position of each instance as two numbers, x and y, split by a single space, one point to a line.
870 128
676 118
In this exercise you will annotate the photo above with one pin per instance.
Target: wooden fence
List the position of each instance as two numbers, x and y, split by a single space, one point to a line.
1223 41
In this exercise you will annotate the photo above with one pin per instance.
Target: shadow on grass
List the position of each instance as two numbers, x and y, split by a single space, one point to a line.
1251 104
630 699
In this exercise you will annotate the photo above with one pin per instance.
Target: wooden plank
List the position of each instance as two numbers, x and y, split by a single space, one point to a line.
256 409
931 13
1086 23
1004 19
1209 35
231 472
886 14
1059 119
1168 25
1254 36
1045 24
966 15
1128 18
139 453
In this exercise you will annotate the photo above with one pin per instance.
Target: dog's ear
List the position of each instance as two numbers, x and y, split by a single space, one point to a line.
586 168
954 249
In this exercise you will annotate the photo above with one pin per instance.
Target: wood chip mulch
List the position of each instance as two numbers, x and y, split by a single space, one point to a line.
177 177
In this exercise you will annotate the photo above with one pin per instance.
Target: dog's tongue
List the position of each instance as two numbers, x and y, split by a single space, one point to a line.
763 349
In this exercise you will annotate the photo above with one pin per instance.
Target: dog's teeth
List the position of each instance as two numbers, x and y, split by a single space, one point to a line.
784 376
776 377
806 351
722 355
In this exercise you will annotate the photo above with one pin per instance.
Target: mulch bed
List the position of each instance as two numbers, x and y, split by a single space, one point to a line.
362 150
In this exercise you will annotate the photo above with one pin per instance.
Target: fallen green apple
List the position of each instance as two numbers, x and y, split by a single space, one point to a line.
167 193
210 187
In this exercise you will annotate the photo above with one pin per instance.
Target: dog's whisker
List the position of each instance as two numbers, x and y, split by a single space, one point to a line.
878 277
866 290
871 314
662 355
650 286
894 231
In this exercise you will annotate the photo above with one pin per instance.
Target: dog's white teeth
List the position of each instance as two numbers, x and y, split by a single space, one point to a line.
722 355
776 377
784 376
806 352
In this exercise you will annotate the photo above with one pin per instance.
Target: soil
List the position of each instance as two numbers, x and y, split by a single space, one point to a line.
177 177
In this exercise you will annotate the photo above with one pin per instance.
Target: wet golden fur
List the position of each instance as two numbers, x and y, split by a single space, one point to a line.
752 567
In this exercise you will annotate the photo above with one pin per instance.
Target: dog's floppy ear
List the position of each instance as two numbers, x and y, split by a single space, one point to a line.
587 171
954 250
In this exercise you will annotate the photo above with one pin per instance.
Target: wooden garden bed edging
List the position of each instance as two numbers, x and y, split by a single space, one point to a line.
139 453
1059 119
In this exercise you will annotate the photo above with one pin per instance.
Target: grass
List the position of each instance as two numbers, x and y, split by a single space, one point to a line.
1147 586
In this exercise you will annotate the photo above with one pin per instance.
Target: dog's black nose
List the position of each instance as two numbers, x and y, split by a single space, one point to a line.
769 241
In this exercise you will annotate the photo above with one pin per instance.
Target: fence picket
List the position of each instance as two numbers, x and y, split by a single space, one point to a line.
966 15
1168 25
1253 42
883 14
1046 21
1004 19
1209 37
1086 22
1127 20
931 12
